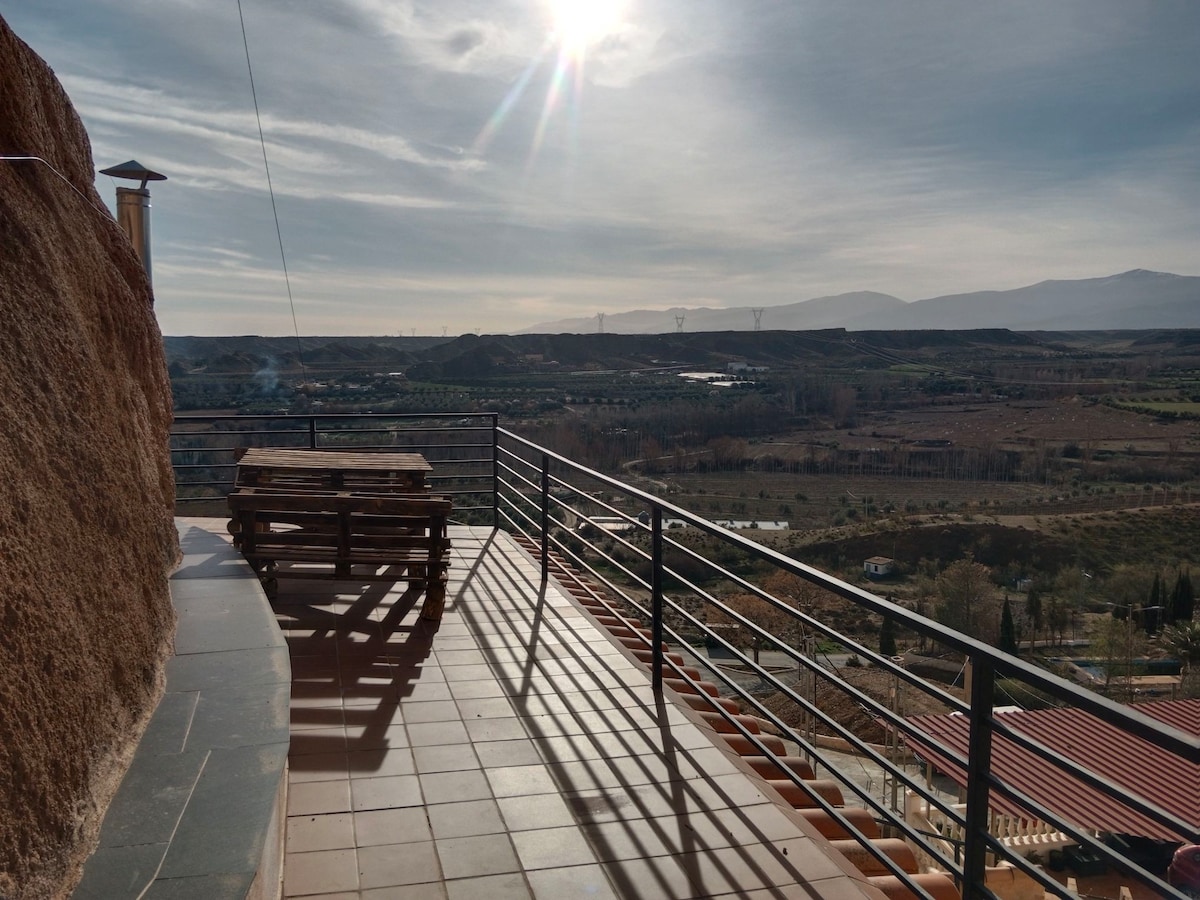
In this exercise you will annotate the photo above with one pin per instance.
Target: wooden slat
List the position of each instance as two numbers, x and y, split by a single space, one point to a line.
347 460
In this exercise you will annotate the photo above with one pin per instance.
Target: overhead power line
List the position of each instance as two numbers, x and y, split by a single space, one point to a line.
271 190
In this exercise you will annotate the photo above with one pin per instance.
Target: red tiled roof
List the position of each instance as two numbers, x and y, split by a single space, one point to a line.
1119 757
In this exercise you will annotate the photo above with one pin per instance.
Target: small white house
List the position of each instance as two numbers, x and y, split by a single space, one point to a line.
879 567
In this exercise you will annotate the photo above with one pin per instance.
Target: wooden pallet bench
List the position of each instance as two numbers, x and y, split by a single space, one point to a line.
332 470
345 534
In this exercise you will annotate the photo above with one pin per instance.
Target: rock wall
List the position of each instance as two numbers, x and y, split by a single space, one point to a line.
87 538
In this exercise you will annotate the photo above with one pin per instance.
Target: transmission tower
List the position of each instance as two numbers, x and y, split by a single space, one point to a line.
600 322
757 318
444 330
679 323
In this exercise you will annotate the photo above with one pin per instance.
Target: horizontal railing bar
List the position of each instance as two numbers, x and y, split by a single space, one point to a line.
330 417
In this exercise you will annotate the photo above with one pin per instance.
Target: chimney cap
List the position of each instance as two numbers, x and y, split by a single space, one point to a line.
134 171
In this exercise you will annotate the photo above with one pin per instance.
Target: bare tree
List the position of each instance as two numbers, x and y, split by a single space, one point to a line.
965 598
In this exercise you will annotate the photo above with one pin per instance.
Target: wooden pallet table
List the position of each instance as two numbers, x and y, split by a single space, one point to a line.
321 514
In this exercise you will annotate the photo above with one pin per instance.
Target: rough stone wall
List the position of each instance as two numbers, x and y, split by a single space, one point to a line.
86 532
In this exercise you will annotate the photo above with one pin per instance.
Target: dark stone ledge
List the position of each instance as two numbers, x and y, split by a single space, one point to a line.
199 814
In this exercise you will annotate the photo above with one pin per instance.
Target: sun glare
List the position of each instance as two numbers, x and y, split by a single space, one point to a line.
575 26
579 23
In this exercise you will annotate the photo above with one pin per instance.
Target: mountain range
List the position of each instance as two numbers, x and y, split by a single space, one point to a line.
1136 299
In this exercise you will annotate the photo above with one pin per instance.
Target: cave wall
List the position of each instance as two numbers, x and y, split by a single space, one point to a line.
87 538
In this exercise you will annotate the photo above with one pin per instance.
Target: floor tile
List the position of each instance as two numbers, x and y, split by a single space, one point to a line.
471 857
469 690
513 781
363 737
374 763
317 767
387 792
428 734
322 738
452 787
511 729
387 865
320 872
468 673
535 811
492 887
547 848
649 879
403 825
580 882
318 797
449 820
332 831
485 708
497 754
455 757
430 711
427 891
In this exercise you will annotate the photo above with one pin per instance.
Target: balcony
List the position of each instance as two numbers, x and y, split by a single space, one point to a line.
560 735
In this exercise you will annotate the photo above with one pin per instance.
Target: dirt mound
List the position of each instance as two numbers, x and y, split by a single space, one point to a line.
848 712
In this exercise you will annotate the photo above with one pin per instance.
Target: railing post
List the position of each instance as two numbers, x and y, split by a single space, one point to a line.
312 432
979 764
545 517
656 596
495 472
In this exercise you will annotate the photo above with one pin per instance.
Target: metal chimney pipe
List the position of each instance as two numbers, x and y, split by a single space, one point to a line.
133 208
133 215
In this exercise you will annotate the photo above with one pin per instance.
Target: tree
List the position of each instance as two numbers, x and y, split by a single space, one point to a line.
1033 609
1182 641
887 637
1058 617
963 594
1008 630
763 614
1182 605
1117 643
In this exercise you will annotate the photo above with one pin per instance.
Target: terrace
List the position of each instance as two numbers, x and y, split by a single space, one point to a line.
544 742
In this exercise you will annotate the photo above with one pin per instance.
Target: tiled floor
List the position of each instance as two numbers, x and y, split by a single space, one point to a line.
511 752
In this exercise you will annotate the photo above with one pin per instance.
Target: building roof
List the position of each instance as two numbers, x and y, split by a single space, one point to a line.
1123 759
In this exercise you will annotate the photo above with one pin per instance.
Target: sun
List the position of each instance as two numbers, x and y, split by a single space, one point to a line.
575 26
580 23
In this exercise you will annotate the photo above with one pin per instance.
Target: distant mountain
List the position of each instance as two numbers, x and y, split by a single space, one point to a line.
1137 299
807 315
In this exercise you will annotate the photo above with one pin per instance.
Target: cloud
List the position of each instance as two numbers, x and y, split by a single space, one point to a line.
729 154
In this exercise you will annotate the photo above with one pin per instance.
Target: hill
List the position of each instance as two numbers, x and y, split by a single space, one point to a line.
1134 299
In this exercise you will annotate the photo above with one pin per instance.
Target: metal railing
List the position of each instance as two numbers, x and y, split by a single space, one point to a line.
660 563
460 446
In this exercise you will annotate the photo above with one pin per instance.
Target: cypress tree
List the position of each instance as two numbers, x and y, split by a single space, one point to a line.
1183 602
1008 630
887 637
1150 618
1033 609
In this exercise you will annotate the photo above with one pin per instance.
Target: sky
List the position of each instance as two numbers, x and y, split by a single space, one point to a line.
486 165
